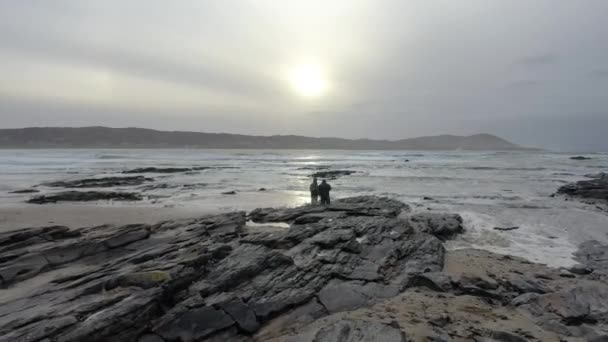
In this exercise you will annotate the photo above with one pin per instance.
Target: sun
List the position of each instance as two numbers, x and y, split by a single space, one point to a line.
308 80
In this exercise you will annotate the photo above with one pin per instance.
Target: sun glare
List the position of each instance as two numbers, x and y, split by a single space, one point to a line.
308 80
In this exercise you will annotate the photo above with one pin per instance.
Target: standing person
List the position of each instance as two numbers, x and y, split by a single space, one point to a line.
314 191
324 190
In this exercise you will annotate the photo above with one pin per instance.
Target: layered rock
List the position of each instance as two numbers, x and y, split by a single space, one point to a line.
211 278
85 196
104 182
334 174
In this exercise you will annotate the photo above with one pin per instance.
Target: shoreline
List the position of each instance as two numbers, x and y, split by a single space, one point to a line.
82 215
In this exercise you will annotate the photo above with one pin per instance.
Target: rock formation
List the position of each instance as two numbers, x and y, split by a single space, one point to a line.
85 196
104 182
216 278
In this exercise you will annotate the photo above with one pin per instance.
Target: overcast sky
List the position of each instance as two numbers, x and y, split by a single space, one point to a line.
534 72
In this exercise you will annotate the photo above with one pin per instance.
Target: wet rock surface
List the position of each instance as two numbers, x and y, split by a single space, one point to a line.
85 196
101 182
363 269
333 174
593 189
153 169
206 278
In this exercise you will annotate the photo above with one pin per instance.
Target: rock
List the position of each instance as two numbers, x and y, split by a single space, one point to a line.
211 279
580 158
150 338
597 175
359 330
24 191
426 198
334 174
566 309
353 206
594 256
593 189
525 284
524 298
444 226
229 193
144 280
100 182
81 196
505 228
158 170
262 189
194 324
580 270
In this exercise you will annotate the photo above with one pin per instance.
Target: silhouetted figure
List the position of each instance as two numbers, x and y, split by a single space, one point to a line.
324 190
314 191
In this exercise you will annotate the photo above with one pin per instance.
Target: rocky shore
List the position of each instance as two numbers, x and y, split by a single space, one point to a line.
364 269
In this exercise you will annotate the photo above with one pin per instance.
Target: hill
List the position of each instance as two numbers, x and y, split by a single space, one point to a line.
105 137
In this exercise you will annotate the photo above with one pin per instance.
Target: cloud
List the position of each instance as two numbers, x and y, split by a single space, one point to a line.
600 74
537 60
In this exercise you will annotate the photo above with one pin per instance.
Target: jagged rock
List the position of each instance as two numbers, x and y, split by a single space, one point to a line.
84 196
175 169
593 189
524 284
594 256
24 191
354 206
334 174
580 270
144 280
100 182
208 278
441 225
567 310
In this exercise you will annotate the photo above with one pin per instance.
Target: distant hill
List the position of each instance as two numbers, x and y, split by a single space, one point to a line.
105 137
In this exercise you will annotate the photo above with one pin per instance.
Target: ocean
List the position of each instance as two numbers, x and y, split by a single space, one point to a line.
489 189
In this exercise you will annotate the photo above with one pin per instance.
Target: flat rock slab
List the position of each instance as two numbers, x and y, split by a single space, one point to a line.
85 196
333 174
100 182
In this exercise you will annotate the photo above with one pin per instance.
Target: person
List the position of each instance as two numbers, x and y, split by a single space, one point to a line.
314 191
324 190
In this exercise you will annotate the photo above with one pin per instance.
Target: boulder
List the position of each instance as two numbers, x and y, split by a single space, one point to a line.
444 226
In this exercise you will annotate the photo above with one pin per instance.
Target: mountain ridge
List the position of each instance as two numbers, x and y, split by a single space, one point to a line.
133 137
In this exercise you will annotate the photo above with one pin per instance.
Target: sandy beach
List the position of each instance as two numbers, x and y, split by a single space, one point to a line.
77 216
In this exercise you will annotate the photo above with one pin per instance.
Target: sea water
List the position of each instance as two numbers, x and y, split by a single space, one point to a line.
489 189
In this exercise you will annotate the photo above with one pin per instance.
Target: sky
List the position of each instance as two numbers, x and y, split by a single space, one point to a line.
533 72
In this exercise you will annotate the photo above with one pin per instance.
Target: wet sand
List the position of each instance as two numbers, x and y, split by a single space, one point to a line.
77 216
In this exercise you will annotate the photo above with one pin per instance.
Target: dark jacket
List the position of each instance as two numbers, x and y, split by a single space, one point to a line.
324 189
